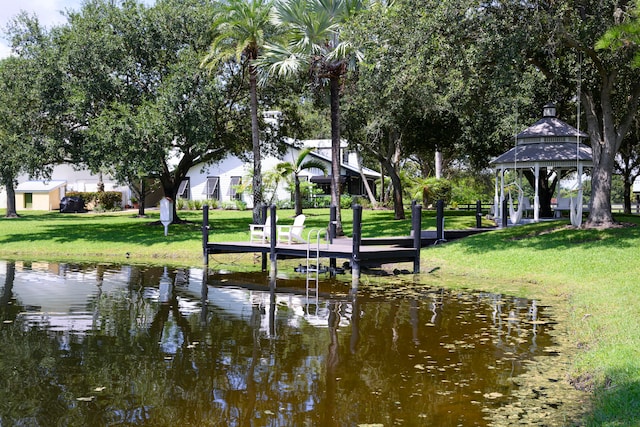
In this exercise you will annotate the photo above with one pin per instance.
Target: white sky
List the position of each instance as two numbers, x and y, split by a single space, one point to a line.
47 11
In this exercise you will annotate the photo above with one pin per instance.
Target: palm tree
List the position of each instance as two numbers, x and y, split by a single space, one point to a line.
313 44
239 35
294 168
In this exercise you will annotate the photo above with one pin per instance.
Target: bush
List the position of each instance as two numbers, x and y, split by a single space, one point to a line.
102 201
288 204
440 189
180 204
321 201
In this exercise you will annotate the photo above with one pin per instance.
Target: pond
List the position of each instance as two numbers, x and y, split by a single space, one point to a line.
139 345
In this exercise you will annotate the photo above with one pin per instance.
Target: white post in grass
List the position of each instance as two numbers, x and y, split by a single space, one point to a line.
166 213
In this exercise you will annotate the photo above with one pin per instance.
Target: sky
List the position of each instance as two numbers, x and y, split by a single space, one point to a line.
47 11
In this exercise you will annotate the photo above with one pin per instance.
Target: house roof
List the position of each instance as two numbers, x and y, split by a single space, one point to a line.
370 173
311 143
39 186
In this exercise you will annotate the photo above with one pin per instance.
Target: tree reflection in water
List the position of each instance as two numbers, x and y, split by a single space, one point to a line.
102 345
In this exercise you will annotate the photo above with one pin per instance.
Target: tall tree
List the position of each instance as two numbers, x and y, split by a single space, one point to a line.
240 28
314 44
141 103
28 107
567 33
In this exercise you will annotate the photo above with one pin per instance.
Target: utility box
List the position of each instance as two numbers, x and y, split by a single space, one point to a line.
166 213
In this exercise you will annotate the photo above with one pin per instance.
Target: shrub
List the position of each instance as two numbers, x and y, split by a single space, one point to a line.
322 201
288 204
102 200
180 204
346 201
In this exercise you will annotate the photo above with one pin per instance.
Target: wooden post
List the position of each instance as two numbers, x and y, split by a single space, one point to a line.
416 226
478 214
440 221
273 257
205 234
263 213
333 217
263 220
355 255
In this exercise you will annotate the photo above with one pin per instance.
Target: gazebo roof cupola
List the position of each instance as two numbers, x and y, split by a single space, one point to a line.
549 129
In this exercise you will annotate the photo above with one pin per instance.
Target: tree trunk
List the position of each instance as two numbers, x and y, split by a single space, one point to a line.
391 163
600 206
141 197
11 198
383 191
602 132
367 187
255 142
628 184
438 163
606 133
545 190
297 194
334 86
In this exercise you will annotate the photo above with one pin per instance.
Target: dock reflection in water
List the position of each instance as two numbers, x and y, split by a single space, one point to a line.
104 345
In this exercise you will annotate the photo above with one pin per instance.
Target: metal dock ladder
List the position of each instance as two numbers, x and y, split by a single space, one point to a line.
314 244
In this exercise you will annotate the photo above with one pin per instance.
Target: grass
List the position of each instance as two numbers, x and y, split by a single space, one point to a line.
122 237
589 275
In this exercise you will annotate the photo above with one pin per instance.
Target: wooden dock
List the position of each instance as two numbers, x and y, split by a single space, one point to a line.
359 253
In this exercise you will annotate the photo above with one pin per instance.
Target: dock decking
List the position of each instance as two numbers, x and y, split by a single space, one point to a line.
352 249
370 252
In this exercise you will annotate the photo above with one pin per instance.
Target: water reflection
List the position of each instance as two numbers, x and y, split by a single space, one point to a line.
102 345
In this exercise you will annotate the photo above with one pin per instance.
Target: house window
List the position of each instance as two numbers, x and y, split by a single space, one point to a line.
183 189
28 200
234 194
212 189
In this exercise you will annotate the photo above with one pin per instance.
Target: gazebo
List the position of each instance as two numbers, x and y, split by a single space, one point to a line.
549 146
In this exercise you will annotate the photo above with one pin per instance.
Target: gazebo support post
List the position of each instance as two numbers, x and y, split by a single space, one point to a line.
502 198
496 198
536 197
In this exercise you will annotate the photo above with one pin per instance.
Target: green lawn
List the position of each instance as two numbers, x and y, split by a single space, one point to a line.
120 236
591 276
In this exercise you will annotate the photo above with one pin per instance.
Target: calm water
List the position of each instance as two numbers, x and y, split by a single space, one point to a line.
87 345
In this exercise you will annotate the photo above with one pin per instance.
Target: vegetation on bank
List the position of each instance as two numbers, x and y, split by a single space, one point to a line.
591 274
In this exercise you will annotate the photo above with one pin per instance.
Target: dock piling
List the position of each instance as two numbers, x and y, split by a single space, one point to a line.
357 238
205 234
416 227
273 257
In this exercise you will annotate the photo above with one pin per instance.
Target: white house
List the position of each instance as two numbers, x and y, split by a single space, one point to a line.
219 181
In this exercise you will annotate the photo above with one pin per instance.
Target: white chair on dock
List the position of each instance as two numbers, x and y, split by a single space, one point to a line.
261 233
292 233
